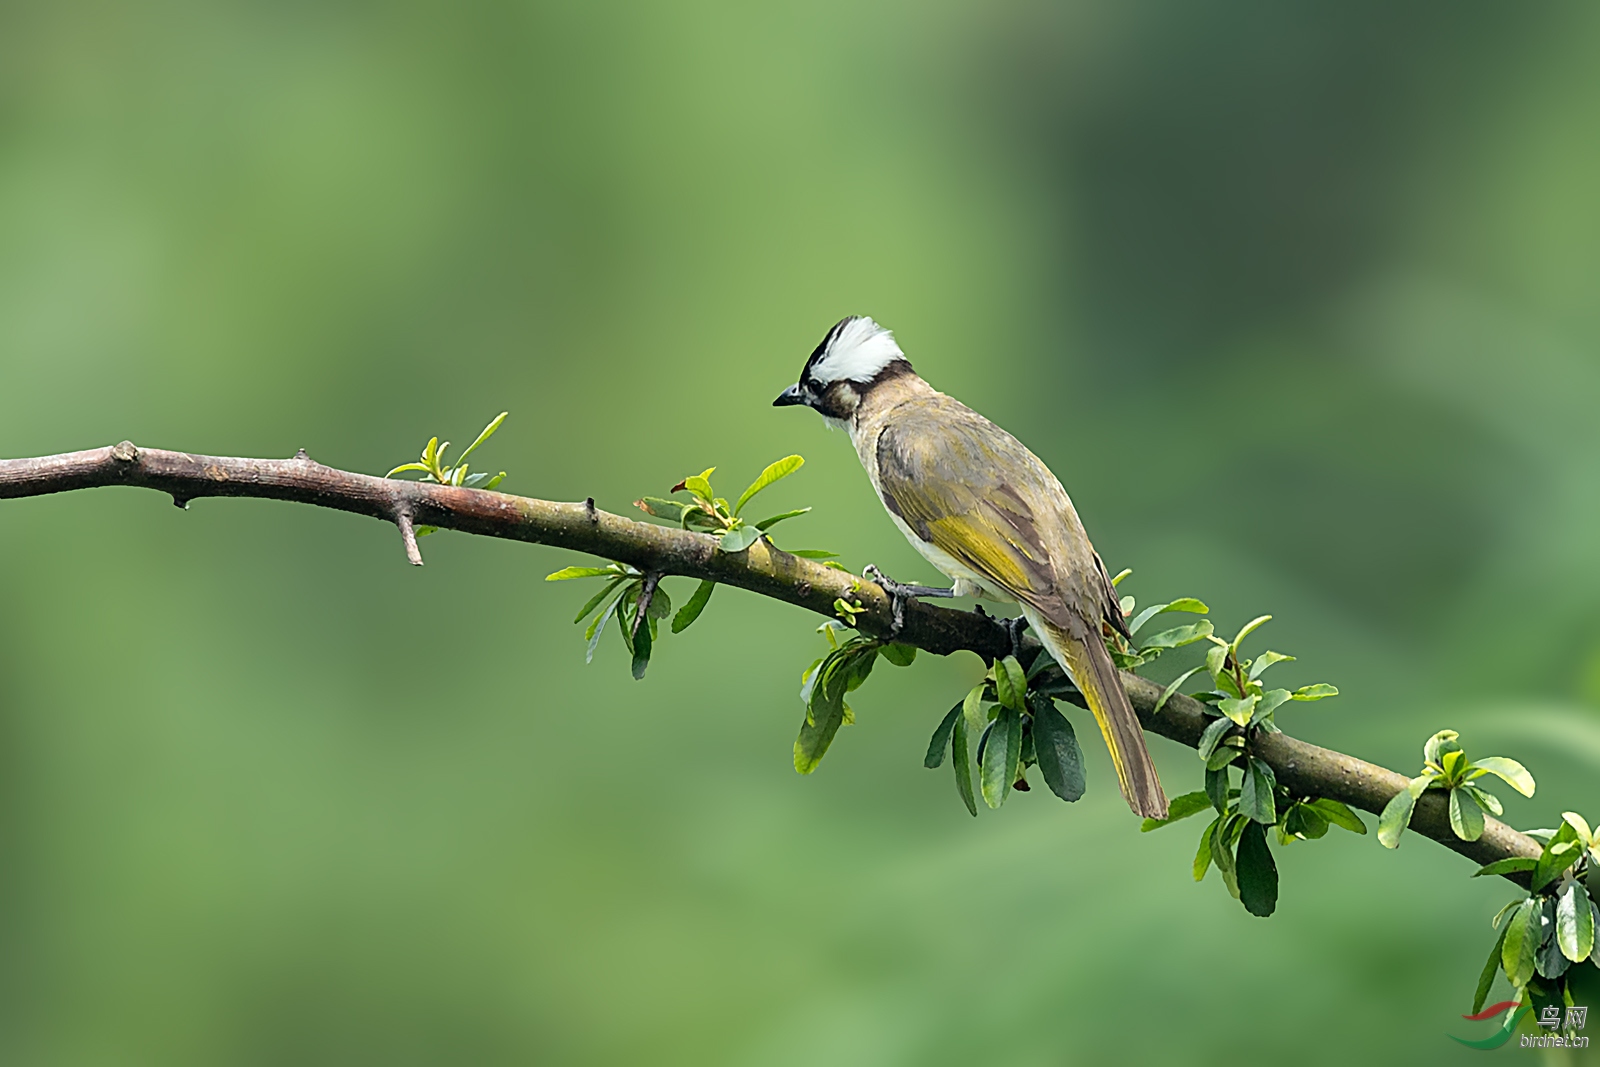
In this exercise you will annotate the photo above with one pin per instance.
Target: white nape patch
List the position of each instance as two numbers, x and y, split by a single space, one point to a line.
861 349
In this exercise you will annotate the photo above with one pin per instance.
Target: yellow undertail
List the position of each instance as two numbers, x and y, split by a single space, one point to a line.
1092 671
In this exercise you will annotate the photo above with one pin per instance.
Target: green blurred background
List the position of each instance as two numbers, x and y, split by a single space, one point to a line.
1298 299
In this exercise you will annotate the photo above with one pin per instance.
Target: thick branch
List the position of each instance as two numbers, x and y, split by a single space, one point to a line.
662 550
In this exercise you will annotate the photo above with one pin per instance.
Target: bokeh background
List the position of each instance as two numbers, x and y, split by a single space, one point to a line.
1298 299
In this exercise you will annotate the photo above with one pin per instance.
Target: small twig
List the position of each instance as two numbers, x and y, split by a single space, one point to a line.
408 534
647 593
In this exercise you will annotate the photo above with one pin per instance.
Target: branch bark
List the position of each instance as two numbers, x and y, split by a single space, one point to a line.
1304 768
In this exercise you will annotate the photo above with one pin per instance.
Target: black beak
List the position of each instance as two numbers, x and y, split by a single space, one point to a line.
789 397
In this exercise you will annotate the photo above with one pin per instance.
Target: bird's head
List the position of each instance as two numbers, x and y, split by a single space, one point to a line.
855 356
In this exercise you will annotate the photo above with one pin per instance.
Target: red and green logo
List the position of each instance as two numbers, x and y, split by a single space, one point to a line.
1500 1036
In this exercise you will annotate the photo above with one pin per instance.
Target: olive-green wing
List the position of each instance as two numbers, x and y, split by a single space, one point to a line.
971 489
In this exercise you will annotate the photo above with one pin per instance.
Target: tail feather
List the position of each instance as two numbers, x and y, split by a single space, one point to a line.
1090 666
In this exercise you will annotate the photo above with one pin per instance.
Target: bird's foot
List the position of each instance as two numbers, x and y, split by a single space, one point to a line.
1014 628
899 594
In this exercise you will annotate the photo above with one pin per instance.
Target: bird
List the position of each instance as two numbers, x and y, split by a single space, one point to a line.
987 513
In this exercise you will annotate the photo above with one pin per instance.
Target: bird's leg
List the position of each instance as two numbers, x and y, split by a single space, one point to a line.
1014 628
899 593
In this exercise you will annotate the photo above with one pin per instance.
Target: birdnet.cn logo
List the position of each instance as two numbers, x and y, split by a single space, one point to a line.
1562 1026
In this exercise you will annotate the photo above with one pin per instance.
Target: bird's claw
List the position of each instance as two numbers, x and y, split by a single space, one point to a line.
1014 628
899 594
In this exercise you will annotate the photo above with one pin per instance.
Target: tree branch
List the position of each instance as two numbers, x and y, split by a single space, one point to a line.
1304 768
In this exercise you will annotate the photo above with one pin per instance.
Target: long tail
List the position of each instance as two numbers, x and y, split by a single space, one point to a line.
1091 669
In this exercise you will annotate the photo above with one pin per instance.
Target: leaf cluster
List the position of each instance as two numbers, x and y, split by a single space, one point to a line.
1012 713
708 513
823 686
638 602
1129 654
1237 690
432 463
1235 841
1446 766
1546 933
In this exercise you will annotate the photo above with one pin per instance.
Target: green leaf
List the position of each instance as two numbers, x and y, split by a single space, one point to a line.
1222 852
1212 736
781 469
1487 801
941 739
1217 664
898 654
1256 793
1320 691
1508 865
663 508
1265 660
1180 808
1222 757
1556 859
1303 821
1179 636
772 520
1217 789
1249 628
594 601
1466 818
1187 604
825 713
597 627
488 432
1486 979
1339 814
973 709
961 762
1580 825
1397 813
739 538
407 467
1145 616
1257 873
1010 682
1000 756
699 486
1239 709
814 553
660 604
1056 748
1202 855
1435 747
1549 961
1514 773
1271 700
1169 690
568 573
1574 923
643 638
1521 942
1121 575
696 604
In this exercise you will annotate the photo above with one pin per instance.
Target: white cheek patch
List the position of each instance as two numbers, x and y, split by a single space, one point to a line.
861 350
